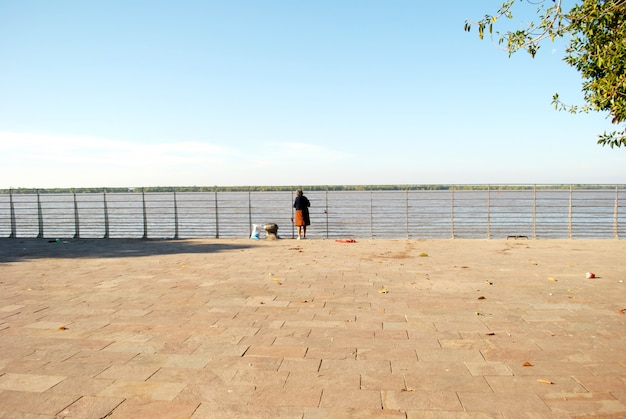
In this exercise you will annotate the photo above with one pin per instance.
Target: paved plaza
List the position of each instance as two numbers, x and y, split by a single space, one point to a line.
312 329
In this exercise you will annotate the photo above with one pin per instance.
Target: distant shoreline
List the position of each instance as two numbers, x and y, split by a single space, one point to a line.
276 188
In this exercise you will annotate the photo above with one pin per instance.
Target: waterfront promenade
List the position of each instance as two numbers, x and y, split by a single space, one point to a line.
312 329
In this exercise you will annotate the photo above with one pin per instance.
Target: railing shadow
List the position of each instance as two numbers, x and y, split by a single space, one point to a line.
16 250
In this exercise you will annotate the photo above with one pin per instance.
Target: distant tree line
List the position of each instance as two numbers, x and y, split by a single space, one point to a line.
306 188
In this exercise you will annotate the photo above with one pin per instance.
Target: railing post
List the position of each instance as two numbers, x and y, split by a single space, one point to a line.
452 211
175 216
106 215
488 211
326 212
371 214
293 213
535 211
39 216
407 213
615 214
76 219
217 218
249 213
13 221
569 216
145 215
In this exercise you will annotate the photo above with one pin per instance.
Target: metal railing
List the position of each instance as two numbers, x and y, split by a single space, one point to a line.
481 211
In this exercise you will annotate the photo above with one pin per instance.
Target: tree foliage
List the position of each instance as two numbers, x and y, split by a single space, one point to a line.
596 30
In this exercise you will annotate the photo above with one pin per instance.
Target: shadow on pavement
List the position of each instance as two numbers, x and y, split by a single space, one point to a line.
16 250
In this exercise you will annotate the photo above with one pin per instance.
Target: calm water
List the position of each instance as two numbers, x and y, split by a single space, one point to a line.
582 213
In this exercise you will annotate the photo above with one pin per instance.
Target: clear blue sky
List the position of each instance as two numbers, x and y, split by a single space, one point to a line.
247 92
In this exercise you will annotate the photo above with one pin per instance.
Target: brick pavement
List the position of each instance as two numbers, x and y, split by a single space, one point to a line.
312 329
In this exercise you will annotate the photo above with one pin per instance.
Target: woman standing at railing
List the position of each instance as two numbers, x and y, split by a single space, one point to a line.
302 204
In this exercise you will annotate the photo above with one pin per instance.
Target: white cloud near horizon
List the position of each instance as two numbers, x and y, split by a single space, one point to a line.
47 161
44 160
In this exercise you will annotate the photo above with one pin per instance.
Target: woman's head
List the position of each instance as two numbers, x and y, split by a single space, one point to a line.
299 192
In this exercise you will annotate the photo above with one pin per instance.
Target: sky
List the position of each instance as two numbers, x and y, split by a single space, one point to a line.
139 93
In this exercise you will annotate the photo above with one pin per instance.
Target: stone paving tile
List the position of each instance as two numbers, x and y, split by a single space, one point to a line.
27 402
296 365
74 369
487 368
77 386
359 366
355 399
89 407
244 363
146 389
480 344
609 354
608 368
100 357
328 380
518 384
221 411
621 396
424 368
557 368
585 404
185 375
352 413
121 335
150 360
331 352
51 327
601 383
25 366
448 414
277 351
146 408
216 393
380 352
19 347
382 381
341 336
294 341
148 347
415 381
261 378
520 356
28 382
15 415
217 349
287 397
128 372
449 355
509 404
181 348
414 400
11 308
